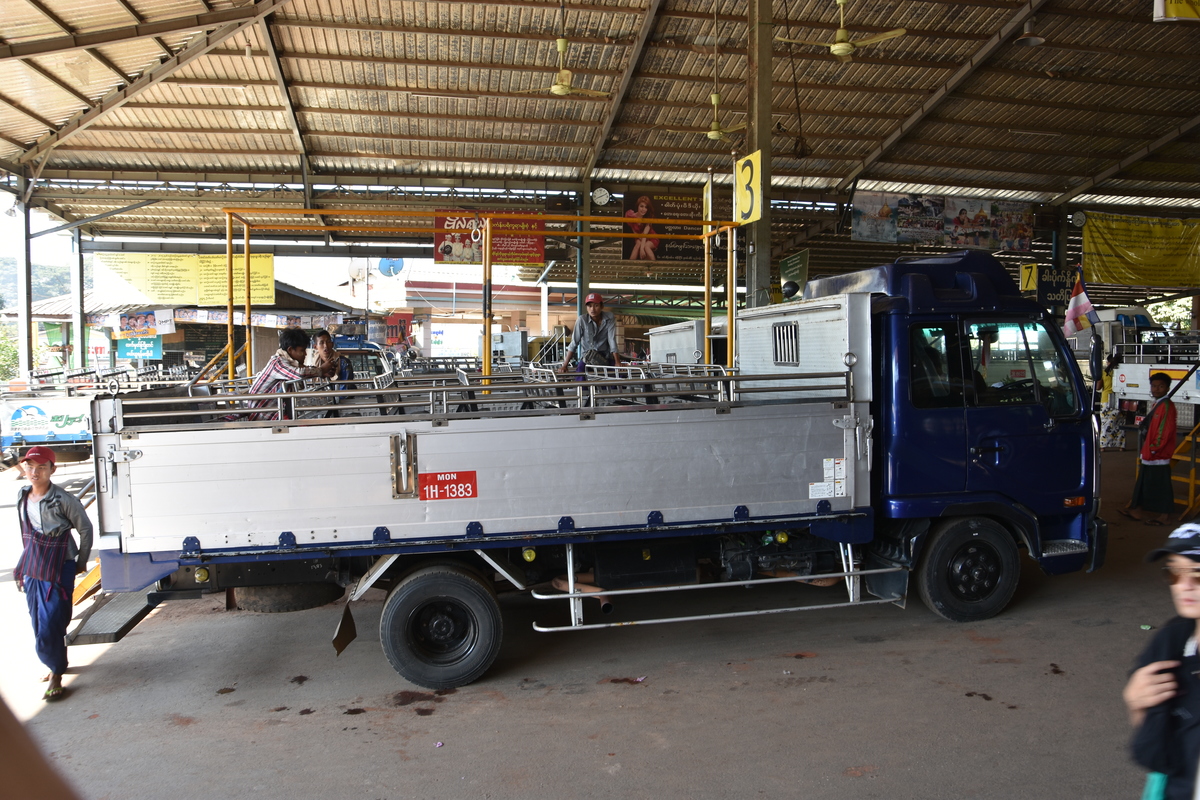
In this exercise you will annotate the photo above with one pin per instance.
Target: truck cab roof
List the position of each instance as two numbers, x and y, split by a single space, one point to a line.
967 278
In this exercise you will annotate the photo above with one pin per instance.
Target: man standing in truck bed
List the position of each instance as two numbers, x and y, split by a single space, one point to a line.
594 340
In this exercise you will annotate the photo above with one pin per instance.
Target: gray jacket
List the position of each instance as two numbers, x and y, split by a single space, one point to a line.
61 511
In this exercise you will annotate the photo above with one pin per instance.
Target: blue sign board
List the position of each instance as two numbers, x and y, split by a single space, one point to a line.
148 347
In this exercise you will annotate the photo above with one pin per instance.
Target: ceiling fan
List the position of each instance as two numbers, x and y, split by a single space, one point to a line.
841 46
562 81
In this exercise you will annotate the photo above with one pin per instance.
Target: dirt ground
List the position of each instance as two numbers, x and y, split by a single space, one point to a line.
870 702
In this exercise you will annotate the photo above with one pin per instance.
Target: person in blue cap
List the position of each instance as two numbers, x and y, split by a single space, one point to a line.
49 560
1163 693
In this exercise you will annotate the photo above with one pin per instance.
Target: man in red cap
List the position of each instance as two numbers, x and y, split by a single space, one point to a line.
49 560
594 340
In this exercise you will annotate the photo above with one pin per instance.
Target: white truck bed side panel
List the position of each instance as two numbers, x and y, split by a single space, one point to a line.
237 488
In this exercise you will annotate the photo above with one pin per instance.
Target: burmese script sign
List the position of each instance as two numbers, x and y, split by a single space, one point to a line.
184 279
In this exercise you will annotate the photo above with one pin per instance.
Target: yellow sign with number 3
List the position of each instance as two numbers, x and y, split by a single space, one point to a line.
747 188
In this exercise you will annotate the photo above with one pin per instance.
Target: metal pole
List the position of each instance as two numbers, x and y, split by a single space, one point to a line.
487 296
26 333
229 287
78 311
708 265
249 332
730 294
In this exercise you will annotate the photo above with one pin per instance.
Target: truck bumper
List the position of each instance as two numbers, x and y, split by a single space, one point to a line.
1098 534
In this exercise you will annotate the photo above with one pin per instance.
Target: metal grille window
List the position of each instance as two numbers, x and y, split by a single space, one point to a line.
785 343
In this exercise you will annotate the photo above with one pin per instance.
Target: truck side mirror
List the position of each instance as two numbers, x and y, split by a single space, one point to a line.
1096 359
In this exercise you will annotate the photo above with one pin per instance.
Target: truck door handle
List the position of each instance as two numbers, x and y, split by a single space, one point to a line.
978 451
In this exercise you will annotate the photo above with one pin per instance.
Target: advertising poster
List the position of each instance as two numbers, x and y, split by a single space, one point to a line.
512 244
647 205
1012 226
968 223
874 217
1176 11
919 219
184 279
1141 251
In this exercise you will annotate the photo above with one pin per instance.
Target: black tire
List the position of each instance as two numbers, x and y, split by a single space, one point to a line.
969 569
441 627
286 597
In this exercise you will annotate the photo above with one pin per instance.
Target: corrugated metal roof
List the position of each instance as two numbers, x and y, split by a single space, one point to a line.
404 97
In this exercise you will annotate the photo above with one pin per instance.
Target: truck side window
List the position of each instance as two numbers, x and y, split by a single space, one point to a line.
1018 363
935 379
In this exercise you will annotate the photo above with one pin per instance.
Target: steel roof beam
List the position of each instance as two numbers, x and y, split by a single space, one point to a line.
139 19
634 58
83 41
960 76
20 109
264 28
199 47
1138 155
87 220
61 84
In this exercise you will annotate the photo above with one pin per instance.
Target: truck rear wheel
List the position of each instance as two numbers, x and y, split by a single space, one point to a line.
287 596
969 570
441 627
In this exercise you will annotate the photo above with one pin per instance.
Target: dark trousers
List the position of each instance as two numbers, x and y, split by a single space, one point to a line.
50 612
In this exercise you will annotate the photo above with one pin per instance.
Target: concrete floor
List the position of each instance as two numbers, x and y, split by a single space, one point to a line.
871 702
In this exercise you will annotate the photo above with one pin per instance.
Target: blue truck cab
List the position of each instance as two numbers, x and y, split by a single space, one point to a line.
984 435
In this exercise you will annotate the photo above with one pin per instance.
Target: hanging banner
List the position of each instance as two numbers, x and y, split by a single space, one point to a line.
1176 10
637 206
874 217
919 219
512 245
968 222
1012 226
1141 251
183 279
212 280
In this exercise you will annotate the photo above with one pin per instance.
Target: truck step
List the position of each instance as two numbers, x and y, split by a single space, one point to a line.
1063 547
113 619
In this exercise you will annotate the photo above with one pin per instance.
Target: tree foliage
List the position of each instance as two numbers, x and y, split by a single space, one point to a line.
9 354
1177 311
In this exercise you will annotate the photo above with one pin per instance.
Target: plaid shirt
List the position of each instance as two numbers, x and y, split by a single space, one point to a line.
281 369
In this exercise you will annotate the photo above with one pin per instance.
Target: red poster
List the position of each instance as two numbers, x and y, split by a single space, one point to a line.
454 242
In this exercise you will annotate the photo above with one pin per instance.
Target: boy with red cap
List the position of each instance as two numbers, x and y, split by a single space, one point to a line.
594 338
49 560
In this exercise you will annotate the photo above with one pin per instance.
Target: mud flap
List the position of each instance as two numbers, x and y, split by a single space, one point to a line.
346 631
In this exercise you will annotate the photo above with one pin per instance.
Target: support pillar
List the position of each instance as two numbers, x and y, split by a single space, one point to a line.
758 137
79 355
583 254
25 337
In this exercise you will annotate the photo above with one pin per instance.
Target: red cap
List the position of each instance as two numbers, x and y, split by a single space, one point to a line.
594 297
39 455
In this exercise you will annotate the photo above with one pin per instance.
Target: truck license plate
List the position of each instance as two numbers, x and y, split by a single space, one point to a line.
448 485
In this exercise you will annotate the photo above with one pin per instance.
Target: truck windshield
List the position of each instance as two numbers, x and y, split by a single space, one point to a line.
1016 363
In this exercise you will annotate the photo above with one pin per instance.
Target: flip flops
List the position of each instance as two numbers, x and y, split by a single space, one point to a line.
1127 515
1154 522
54 693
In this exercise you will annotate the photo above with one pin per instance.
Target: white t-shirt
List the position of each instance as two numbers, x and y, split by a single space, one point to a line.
34 510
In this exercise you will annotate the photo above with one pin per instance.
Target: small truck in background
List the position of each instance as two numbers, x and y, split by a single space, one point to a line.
918 423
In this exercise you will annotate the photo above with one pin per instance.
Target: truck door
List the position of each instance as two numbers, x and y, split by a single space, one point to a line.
1025 430
929 444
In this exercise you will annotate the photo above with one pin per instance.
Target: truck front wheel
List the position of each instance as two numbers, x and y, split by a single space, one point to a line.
969 570
441 627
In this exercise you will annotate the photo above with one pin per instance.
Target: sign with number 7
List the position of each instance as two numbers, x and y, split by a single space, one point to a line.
747 188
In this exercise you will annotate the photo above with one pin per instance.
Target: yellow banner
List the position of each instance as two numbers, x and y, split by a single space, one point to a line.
1176 10
183 279
1141 251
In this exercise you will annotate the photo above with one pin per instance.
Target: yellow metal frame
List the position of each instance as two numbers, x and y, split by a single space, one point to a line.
709 229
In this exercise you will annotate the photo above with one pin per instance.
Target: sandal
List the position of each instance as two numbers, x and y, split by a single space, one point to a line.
1126 514
54 693
1153 522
